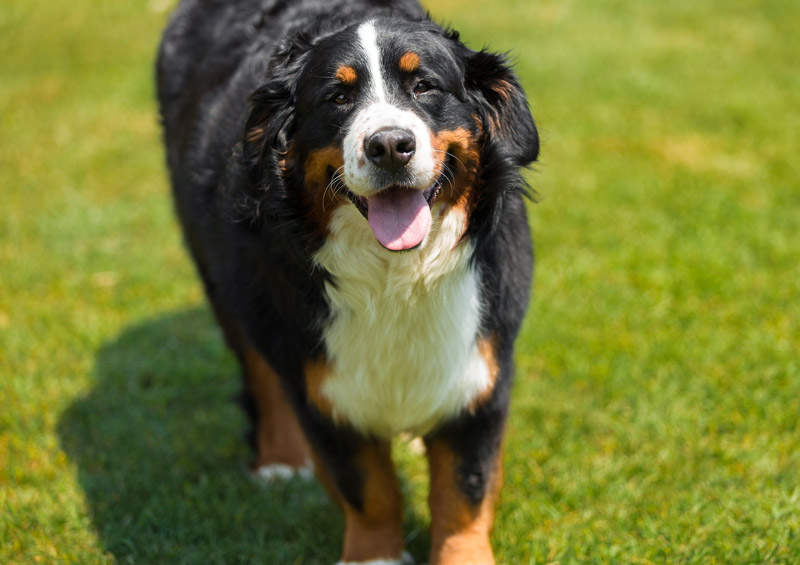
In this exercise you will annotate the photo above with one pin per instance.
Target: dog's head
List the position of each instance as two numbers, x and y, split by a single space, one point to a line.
394 119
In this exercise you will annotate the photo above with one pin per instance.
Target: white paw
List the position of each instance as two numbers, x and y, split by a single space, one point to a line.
405 559
282 472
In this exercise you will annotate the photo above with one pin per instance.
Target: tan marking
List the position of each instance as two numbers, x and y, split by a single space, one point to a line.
459 529
478 123
346 74
255 134
486 349
316 373
465 147
494 122
374 532
279 438
319 162
504 89
322 199
286 160
409 62
458 139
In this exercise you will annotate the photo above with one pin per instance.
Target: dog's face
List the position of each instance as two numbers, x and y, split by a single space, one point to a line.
393 119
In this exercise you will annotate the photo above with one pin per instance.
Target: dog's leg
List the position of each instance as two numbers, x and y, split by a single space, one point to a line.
273 431
462 495
281 447
466 470
360 476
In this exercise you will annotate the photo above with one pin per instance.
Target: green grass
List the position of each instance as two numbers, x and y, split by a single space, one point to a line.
657 404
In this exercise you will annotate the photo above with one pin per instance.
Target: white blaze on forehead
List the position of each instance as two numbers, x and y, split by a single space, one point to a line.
359 174
368 37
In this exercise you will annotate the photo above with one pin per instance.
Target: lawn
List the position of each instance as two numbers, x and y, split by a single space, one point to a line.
657 404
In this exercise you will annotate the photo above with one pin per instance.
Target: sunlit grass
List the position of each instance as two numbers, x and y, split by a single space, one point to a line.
655 415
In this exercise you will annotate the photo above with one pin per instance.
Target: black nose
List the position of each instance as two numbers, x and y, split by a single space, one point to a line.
390 148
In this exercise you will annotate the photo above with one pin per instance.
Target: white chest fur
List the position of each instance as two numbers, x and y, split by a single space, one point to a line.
401 339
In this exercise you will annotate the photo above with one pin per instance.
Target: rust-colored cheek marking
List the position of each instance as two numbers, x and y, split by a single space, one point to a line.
346 75
465 147
459 529
375 531
319 162
409 62
322 199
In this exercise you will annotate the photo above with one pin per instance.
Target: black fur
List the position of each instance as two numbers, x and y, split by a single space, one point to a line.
228 92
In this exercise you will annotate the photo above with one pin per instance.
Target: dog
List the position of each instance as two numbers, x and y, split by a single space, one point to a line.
347 175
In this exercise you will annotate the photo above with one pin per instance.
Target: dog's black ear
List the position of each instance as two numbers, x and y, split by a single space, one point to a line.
503 107
268 130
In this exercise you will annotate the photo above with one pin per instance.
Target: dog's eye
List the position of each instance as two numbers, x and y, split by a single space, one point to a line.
422 87
340 99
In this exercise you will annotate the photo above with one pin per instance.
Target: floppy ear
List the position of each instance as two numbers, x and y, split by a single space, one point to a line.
503 107
268 129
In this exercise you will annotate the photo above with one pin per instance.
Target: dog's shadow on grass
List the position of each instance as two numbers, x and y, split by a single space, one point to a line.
159 452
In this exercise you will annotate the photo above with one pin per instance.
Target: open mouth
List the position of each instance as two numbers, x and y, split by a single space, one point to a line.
399 216
361 203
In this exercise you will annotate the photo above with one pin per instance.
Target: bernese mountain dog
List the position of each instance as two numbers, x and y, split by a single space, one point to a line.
347 176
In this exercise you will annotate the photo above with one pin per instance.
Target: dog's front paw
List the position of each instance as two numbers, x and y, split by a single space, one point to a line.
275 472
405 559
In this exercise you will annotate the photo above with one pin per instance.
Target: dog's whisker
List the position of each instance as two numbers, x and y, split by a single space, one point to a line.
336 185
451 155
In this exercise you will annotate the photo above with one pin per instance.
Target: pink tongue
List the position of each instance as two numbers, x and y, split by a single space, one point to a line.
400 218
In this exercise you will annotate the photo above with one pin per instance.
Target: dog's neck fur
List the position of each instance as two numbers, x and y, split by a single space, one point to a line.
401 337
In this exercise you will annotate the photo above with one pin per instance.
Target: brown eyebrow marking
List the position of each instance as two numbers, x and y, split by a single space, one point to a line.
346 74
409 62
